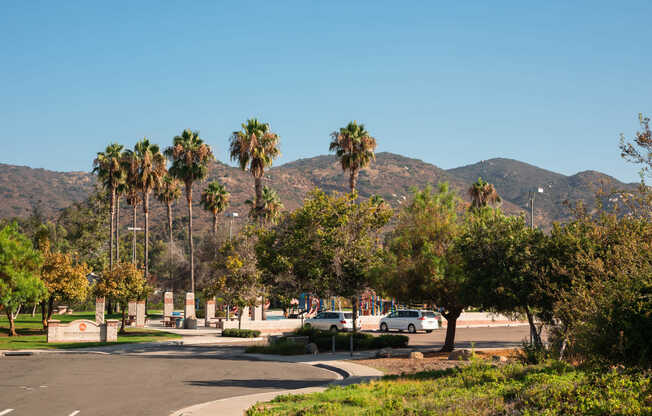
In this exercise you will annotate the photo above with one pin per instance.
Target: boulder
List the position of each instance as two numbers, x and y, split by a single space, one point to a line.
384 353
416 355
460 355
311 348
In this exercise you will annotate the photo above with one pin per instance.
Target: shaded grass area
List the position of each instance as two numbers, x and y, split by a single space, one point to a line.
31 334
553 388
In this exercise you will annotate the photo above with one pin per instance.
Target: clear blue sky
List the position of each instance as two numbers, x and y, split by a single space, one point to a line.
552 84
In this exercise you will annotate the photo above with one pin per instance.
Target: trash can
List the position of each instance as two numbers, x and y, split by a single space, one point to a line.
179 323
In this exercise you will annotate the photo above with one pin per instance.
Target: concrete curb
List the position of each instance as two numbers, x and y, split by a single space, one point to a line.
345 373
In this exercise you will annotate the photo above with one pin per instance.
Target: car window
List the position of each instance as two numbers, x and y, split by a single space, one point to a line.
428 314
393 315
403 314
414 314
333 315
348 316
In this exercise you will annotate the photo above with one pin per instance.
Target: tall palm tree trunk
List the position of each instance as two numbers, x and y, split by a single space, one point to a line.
169 204
146 212
190 242
353 179
112 228
133 243
117 229
215 223
258 183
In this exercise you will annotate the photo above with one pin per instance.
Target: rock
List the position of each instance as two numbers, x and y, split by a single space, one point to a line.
416 355
460 355
384 353
311 348
499 359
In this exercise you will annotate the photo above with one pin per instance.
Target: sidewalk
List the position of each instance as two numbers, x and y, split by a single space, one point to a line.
344 373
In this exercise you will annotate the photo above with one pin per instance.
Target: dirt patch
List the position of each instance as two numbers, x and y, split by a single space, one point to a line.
432 360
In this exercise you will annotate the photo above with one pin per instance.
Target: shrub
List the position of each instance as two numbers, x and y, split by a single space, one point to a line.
240 333
280 347
361 341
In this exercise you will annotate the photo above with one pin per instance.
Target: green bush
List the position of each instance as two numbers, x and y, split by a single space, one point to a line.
240 333
361 340
281 347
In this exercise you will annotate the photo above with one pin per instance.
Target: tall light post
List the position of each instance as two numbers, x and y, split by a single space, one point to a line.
133 249
231 215
531 195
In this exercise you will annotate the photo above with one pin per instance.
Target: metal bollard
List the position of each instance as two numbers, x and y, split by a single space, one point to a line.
333 344
351 342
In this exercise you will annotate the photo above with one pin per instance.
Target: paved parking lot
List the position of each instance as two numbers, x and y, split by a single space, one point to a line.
91 384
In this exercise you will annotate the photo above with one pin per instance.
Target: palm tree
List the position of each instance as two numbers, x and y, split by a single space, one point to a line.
482 194
354 147
255 147
150 169
110 173
120 191
190 156
168 193
215 199
271 208
132 192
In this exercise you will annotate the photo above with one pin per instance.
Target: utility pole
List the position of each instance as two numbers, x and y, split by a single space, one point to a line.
231 215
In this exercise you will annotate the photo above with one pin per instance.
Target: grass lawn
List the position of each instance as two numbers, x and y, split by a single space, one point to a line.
31 335
479 389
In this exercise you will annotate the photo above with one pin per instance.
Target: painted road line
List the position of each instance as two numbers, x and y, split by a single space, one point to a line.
5 412
72 414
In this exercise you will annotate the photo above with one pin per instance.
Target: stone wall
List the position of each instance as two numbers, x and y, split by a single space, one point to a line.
82 330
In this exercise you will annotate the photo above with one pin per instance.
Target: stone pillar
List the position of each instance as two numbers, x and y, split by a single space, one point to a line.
258 311
168 304
99 310
245 313
140 314
189 310
210 309
131 311
53 325
111 332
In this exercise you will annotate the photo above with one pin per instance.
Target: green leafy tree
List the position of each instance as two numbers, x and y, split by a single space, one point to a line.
20 265
122 283
271 207
215 199
235 277
190 156
255 147
329 246
107 166
422 257
147 170
64 278
506 264
354 147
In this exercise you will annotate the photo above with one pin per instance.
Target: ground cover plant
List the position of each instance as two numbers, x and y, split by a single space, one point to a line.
32 336
552 388
240 333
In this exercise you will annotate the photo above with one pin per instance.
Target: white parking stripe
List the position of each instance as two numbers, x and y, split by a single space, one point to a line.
72 414
7 411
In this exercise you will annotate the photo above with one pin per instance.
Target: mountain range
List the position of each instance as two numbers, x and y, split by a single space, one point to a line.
25 190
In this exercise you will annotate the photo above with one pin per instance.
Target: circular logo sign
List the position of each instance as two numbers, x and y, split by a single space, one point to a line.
82 327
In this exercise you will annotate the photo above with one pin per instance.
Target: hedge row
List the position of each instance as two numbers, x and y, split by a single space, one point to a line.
283 347
361 341
240 333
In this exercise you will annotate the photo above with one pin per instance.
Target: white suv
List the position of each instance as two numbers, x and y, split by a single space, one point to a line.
331 321
411 320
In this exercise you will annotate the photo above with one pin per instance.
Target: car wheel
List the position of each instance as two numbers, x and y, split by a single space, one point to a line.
334 328
428 331
383 327
412 329
307 325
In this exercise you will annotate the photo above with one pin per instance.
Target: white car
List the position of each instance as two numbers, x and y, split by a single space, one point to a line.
411 320
331 321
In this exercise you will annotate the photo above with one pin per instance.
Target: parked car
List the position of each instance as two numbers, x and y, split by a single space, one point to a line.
331 321
411 320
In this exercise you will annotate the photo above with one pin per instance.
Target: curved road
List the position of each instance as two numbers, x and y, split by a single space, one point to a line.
153 384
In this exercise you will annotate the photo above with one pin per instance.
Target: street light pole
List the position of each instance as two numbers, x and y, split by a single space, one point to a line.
133 249
531 195
231 215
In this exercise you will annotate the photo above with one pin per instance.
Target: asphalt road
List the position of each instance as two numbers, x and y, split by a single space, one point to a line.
125 385
496 337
